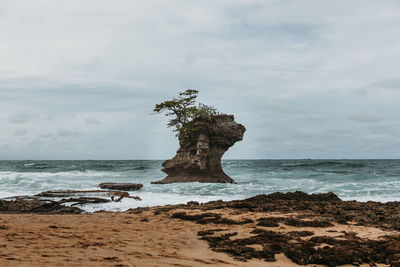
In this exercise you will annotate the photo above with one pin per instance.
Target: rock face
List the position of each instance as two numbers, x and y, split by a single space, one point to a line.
201 149
121 186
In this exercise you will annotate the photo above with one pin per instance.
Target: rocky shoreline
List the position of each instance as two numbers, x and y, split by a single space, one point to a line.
67 201
314 218
303 229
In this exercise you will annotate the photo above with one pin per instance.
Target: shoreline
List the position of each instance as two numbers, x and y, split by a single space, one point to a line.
291 228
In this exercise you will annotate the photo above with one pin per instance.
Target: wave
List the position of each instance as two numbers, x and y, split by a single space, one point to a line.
99 166
34 166
142 168
327 164
10 175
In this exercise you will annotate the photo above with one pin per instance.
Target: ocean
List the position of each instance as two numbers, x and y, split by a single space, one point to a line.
362 180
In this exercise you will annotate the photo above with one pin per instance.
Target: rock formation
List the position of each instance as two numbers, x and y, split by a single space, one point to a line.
201 149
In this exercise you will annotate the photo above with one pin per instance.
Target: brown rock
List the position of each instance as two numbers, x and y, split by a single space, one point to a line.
199 156
121 186
21 205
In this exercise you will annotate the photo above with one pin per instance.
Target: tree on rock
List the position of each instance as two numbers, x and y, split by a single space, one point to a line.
204 136
185 110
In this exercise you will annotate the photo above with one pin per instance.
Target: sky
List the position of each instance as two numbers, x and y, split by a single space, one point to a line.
307 78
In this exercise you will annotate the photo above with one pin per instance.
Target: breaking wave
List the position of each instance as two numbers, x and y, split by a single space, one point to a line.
350 179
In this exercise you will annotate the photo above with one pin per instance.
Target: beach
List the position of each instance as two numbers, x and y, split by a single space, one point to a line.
199 133
268 230
108 239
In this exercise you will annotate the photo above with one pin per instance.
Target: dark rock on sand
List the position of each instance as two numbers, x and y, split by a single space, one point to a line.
199 156
301 246
210 232
121 186
308 223
270 221
274 222
20 205
208 217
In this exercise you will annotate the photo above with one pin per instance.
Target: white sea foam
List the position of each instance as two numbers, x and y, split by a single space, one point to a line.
383 199
151 199
377 180
25 183
70 174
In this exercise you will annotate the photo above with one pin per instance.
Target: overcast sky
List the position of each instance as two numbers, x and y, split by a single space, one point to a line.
308 79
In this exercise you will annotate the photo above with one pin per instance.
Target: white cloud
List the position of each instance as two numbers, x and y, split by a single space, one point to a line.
92 121
295 71
21 117
22 132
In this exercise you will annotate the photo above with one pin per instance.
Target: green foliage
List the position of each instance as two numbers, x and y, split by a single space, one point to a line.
184 110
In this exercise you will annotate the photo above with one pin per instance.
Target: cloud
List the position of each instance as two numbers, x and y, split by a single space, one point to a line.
68 132
307 78
20 132
392 84
366 117
92 121
21 117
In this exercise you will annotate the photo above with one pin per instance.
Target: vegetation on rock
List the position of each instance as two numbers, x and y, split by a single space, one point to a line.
185 110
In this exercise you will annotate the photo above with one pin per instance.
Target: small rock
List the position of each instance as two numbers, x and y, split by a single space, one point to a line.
121 186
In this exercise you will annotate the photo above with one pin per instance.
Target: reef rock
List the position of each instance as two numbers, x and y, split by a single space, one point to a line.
201 149
121 186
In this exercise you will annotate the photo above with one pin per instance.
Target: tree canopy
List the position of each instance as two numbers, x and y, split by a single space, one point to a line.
184 110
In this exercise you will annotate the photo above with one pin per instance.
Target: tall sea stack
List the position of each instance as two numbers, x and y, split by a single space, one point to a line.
201 149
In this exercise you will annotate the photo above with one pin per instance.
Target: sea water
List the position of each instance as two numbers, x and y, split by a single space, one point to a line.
363 180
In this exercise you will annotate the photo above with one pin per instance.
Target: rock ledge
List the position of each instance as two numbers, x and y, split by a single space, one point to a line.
121 186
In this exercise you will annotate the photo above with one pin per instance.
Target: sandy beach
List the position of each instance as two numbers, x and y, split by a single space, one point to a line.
180 133
110 239
237 233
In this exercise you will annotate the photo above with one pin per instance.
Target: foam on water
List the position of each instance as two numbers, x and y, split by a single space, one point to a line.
24 183
362 180
151 199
